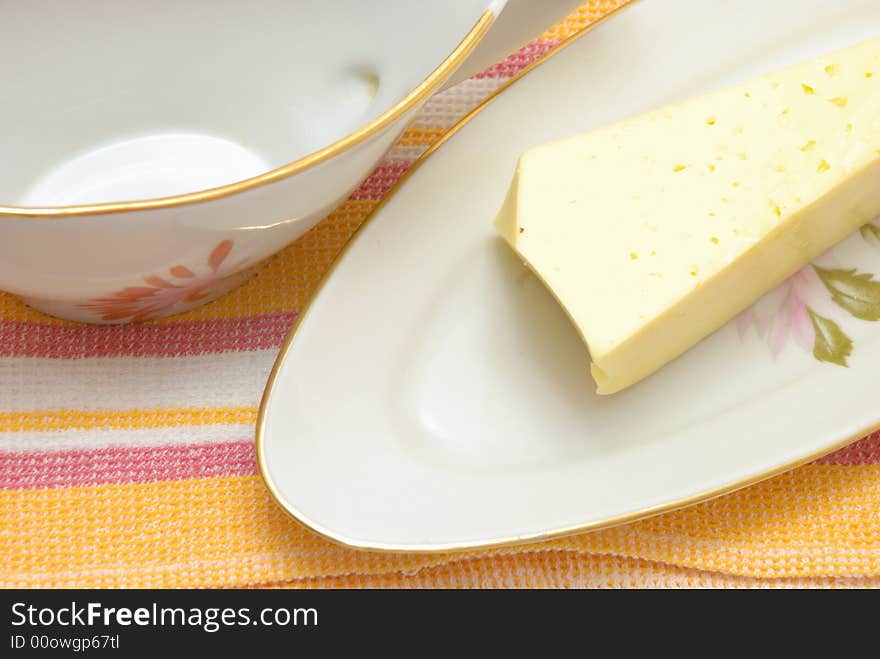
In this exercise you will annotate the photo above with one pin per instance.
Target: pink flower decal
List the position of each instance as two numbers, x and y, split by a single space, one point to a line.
790 311
784 313
182 285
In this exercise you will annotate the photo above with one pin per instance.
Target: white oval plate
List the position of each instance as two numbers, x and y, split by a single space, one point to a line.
434 397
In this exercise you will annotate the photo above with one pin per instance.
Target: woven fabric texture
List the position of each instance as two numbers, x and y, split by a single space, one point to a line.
126 453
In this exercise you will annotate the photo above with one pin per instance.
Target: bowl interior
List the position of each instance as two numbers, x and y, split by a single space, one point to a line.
107 100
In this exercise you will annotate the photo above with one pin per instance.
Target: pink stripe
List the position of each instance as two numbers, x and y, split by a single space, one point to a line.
864 452
47 469
381 180
28 339
512 64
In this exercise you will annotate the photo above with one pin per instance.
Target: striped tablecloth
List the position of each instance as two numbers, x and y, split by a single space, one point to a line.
126 453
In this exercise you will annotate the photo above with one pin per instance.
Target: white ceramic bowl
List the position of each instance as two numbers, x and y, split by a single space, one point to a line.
154 153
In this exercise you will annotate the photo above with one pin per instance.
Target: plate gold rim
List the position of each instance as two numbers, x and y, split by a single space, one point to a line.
617 520
434 79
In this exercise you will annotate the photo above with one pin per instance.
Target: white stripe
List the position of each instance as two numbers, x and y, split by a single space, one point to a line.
401 153
446 108
232 379
72 440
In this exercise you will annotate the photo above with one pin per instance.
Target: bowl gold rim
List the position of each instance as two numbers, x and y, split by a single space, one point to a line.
436 78
457 547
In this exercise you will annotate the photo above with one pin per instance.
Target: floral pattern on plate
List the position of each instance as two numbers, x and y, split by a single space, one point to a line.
790 310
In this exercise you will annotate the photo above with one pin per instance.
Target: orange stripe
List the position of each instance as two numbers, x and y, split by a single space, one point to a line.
587 13
54 420
420 136
820 520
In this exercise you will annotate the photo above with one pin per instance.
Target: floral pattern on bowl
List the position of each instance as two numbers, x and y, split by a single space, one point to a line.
795 309
181 288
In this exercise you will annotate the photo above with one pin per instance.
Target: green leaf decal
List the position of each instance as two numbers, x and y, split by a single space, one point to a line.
871 233
831 345
858 294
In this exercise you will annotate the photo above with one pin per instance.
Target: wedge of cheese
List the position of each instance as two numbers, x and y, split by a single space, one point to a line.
654 232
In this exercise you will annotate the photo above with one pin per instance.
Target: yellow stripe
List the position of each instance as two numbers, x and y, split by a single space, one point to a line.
54 420
820 520
566 569
282 285
420 136
587 13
